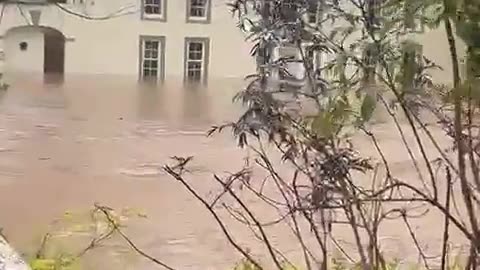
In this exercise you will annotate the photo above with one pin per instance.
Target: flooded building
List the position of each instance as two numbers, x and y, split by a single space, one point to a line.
148 39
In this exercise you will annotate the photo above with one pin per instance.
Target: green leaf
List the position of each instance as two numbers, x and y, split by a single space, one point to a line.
368 107
323 125
43 264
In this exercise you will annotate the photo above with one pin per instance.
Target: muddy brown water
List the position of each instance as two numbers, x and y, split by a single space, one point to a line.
66 145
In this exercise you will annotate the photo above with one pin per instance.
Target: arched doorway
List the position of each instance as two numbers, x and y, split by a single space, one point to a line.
54 52
34 49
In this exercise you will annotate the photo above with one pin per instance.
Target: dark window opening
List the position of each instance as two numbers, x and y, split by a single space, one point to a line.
198 8
153 7
23 46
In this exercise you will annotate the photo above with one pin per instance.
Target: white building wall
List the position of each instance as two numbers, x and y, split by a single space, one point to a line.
30 60
112 46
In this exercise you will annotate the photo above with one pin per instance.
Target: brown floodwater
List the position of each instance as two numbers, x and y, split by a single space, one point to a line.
65 145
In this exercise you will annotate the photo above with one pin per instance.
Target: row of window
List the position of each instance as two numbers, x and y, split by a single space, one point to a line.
152 58
198 11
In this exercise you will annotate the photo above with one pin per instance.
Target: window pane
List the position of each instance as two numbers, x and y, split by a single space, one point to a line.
195 55
198 2
195 51
151 49
194 75
148 54
312 17
195 46
153 6
194 71
198 8
197 12
194 65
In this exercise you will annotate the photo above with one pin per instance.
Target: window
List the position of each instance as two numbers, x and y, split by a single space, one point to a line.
292 68
312 14
287 10
314 59
314 11
370 59
154 10
412 61
152 57
196 59
198 11
376 11
413 13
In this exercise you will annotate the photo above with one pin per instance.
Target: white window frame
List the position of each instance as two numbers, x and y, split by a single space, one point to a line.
160 58
205 42
161 16
199 19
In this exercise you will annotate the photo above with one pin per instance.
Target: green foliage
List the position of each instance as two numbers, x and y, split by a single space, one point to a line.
75 234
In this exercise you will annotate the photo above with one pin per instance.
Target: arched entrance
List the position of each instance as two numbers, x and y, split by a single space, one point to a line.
34 49
54 52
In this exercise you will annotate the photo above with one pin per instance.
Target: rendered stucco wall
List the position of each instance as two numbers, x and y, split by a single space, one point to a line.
30 60
112 46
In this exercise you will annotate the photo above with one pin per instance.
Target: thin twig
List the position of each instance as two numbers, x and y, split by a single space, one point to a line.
127 239
446 221
224 229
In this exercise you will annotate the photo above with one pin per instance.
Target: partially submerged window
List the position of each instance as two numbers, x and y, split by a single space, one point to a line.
314 60
314 11
154 9
370 59
196 59
198 11
411 63
152 60
375 9
292 68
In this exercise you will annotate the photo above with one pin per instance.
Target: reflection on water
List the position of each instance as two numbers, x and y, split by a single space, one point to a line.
193 112
151 102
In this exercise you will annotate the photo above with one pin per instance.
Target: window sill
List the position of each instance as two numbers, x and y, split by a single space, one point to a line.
152 17
201 20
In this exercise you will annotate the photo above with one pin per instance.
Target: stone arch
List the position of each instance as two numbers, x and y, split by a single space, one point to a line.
38 49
